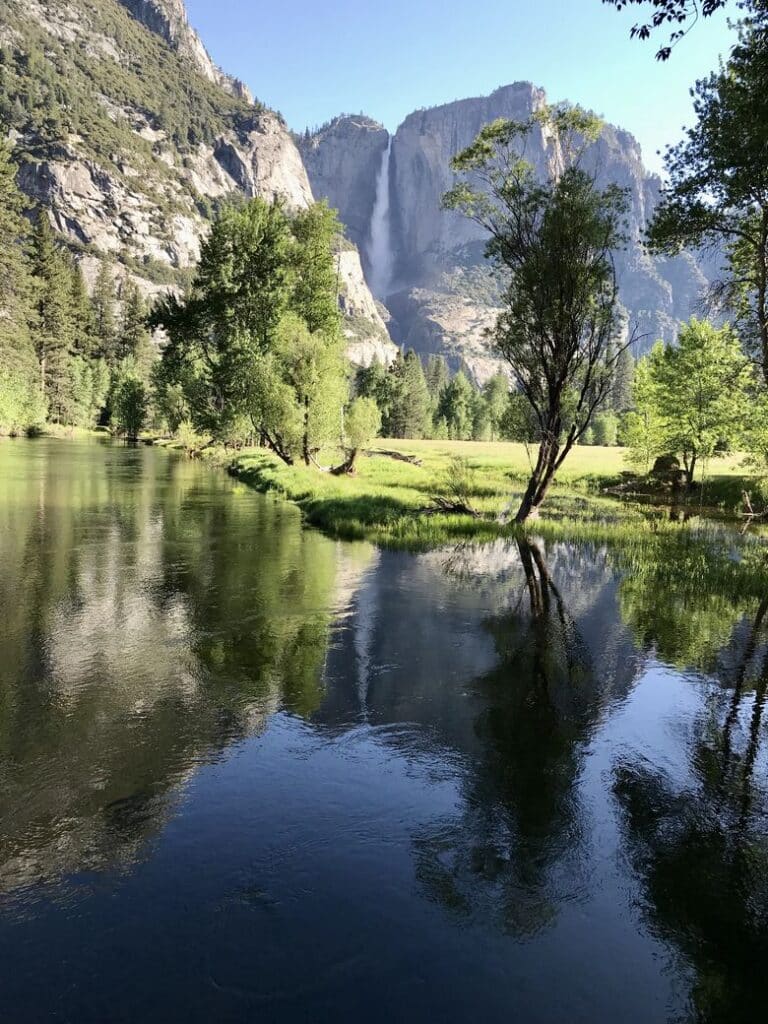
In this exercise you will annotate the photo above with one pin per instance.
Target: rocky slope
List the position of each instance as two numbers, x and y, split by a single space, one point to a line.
130 136
440 294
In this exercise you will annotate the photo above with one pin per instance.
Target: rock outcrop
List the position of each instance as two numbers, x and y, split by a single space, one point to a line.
140 171
342 160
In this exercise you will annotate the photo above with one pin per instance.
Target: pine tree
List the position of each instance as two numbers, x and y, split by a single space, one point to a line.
496 394
55 327
437 376
456 406
103 301
82 311
394 421
134 341
21 400
415 414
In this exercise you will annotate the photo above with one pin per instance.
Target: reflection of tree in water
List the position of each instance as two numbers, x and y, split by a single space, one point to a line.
152 617
700 844
505 859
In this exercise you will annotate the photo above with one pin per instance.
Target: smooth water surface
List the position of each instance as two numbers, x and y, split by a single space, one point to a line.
251 774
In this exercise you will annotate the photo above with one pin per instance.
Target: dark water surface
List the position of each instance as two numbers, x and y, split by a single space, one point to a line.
250 774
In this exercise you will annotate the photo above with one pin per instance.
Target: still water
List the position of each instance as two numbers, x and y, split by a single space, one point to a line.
248 773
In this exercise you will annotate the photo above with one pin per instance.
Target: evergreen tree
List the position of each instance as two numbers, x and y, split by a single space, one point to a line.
55 323
21 399
496 394
395 417
134 339
82 312
104 321
437 376
456 407
373 381
415 416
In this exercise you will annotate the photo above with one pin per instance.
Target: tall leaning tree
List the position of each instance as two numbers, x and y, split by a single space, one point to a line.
553 241
717 194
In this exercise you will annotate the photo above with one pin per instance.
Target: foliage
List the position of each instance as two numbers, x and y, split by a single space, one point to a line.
256 347
455 407
717 195
131 405
693 394
554 241
22 404
675 13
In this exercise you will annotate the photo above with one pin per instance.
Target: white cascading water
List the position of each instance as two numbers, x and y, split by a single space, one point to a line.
380 244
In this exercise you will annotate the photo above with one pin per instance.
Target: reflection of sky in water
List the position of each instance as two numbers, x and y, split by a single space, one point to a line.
245 770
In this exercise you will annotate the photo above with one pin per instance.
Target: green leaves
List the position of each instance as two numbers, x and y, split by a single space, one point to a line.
691 396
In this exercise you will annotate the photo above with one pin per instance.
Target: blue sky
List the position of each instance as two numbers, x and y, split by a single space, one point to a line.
312 60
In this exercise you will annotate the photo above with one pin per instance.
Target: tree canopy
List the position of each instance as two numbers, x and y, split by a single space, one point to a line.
553 241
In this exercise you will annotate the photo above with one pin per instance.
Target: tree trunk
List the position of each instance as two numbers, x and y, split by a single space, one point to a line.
762 294
305 452
348 466
541 478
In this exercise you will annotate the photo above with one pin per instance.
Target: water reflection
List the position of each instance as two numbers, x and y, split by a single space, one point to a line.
150 618
519 778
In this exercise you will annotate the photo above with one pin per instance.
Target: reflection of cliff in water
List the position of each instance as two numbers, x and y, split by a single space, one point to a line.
152 619
513 695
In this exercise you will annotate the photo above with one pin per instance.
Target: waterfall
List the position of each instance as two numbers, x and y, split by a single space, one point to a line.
380 243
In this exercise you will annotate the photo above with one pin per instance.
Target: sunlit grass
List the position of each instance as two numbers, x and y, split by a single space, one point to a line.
388 501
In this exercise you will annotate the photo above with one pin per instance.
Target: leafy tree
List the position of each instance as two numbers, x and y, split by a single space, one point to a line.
131 406
258 341
519 421
241 292
678 14
642 434
361 424
717 194
313 366
694 393
373 381
553 241
88 387
315 297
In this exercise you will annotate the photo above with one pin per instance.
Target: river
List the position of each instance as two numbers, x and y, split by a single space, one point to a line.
250 773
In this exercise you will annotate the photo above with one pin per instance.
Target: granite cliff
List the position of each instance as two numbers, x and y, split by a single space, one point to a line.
130 136
439 292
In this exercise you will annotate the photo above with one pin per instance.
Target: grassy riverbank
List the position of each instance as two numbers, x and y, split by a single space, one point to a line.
390 501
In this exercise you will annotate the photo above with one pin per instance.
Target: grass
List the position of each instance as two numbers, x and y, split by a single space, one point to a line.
387 501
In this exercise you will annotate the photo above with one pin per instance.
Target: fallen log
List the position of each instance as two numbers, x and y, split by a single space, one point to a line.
399 456
446 506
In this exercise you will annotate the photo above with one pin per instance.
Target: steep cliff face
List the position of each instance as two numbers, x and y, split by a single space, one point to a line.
342 160
136 136
441 296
